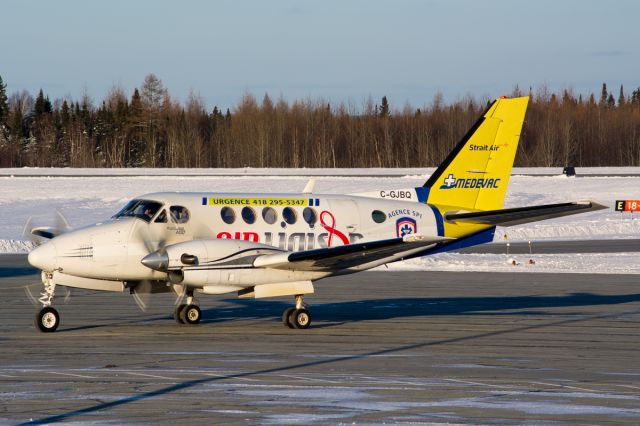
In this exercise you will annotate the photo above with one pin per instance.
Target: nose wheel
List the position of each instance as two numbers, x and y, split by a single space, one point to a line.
47 320
298 316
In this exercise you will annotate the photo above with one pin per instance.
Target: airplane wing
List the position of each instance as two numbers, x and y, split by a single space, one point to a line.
356 255
520 215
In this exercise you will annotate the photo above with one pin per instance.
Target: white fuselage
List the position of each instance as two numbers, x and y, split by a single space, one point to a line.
112 250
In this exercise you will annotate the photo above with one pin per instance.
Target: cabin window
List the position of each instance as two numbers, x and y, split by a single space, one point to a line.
228 215
248 215
378 216
179 214
310 216
269 215
289 215
162 217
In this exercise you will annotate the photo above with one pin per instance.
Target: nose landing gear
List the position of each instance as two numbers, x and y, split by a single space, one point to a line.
47 319
298 316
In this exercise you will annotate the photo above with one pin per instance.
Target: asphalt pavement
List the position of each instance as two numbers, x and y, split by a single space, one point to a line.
384 347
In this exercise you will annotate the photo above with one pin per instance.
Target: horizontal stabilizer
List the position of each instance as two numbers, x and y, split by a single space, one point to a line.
347 256
520 215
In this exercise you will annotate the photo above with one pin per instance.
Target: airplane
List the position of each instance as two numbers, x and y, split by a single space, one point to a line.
262 245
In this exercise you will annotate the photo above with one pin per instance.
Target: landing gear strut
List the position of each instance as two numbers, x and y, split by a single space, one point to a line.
298 316
47 319
188 313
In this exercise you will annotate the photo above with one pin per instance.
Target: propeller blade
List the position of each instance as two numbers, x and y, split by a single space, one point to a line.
181 293
142 294
67 294
27 235
61 223
29 291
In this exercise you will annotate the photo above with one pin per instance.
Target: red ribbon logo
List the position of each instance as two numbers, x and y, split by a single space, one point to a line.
330 228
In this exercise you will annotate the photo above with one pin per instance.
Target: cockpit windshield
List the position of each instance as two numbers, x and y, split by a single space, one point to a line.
143 209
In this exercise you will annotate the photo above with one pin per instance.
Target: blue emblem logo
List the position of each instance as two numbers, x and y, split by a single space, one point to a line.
449 182
406 226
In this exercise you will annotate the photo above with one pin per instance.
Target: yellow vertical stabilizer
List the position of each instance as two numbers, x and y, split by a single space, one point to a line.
476 173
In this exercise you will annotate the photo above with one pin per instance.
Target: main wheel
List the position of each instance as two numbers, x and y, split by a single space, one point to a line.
286 315
190 314
47 320
177 311
300 318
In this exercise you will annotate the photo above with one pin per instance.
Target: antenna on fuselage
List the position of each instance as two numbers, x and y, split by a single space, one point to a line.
308 189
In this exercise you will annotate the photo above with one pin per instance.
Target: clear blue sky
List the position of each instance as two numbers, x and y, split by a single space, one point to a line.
338 50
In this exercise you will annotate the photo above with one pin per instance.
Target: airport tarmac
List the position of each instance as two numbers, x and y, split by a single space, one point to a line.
384 347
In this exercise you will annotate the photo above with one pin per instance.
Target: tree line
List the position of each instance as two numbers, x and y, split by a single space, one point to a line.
151 129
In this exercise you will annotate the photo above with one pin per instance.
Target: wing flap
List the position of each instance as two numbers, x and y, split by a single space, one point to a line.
520 215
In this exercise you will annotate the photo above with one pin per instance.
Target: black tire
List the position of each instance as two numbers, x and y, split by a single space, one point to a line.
190 314
47 320
300 318
177 311
286 315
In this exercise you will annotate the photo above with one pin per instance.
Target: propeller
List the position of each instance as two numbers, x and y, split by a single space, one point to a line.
34 234
142 290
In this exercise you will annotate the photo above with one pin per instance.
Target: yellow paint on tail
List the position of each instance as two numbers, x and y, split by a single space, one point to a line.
475 175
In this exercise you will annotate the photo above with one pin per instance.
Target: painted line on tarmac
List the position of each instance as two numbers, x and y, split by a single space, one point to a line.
226 375
71 375
310 379
627 386
468 382
149 375
566 386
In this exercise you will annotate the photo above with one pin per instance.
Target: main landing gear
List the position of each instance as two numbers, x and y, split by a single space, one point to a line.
188 313
298 316
47 319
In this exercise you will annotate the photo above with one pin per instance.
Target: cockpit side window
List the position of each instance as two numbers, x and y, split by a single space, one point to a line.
162 217
142 209
179 214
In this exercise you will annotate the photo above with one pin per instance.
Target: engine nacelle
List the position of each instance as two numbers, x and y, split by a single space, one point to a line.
215 253
219 266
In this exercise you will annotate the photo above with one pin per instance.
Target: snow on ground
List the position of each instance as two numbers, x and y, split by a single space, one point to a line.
87 196
604 263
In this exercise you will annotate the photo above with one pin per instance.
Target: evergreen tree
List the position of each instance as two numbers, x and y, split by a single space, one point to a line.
621 98
48 108
611 102
384 107
635 97
65 114
39 107
4 103
604 95
137 146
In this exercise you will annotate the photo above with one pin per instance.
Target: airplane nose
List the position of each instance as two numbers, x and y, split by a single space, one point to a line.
44 257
